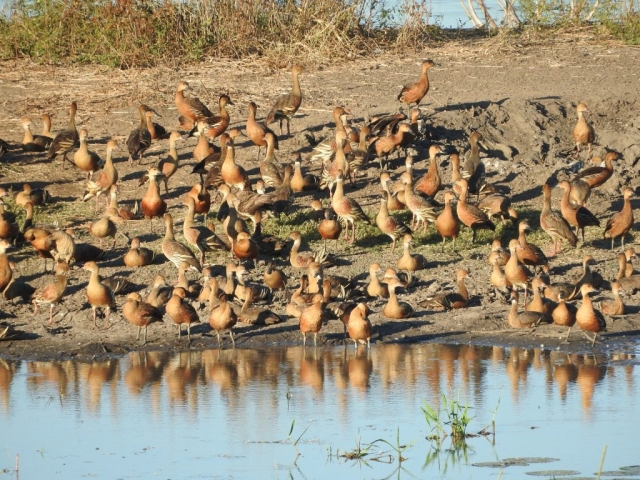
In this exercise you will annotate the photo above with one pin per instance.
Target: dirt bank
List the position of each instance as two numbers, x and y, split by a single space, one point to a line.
520 97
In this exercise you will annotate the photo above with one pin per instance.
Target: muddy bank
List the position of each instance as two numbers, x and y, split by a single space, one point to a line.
522 99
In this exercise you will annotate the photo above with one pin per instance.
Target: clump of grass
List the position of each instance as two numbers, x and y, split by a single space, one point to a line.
131 33
294 443
457 420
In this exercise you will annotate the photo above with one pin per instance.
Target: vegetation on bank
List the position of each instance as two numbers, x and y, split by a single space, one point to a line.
134 33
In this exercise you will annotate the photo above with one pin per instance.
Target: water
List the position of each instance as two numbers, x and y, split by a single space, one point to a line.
228 414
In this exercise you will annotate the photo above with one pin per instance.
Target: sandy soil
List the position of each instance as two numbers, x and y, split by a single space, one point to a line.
520 96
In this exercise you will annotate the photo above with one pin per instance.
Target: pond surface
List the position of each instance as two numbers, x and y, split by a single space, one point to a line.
228 414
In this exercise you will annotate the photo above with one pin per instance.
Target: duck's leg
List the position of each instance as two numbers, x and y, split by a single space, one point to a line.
138 336
189 331
95 322
218 334
51 315
233 342
108 314
566 340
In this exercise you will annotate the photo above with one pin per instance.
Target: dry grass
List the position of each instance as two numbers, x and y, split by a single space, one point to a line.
141 33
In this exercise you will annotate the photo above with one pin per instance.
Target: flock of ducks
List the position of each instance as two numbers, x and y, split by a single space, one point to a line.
246 201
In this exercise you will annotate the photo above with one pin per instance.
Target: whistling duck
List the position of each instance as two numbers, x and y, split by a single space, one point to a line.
393 200
596 176
191 108
410 262
98 294
498 255
245 248
470 215
579 193
310 320
530 254
329 228
423 212
631 282
376 289
29 143
140 314
200 237
169 165
222 317
101 182
203 149
46 126
473 169
175 251
256 131
430 183
152 203
256 315
156 131
393 308
303 259
588 318
406 278
209 284
323 151
498 204
447 224
347 209
564 314
298 300
387 145
67 139
451 300
117 214
359 326
35 197
498 279
85 160
51 293
37 237
260 292
286 106
415 92
615 306
525 319
231 173
85 252
8 228
271 171
385 125
518 275
629 253
5 268
621 222
539 303
359 154
181 312
275 278
300 182
160 292
334 165
139 139
61 246
388 224
583 133
554 225
191 289
216 125
138 256
104 228
579 217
